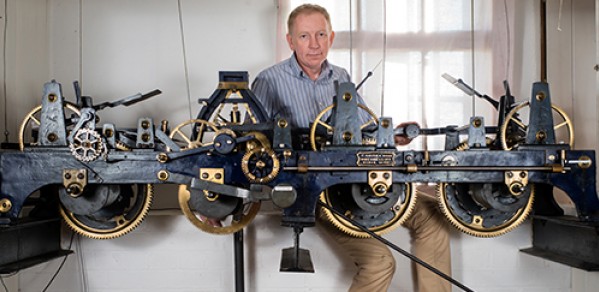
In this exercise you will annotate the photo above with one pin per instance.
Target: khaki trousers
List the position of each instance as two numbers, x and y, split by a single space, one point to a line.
429 233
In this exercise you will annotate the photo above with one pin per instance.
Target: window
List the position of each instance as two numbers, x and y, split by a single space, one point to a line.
409 45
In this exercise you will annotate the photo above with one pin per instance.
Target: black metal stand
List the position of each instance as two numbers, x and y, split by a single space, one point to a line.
566 240
239 264
28 243
296 259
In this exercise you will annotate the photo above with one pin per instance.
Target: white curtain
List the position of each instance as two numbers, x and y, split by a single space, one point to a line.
409 44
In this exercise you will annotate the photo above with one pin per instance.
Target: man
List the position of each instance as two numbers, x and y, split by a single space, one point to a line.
298 89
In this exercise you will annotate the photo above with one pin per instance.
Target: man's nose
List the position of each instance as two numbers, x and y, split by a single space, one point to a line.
314 42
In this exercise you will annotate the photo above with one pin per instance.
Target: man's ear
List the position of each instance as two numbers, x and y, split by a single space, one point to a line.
331 38
290 42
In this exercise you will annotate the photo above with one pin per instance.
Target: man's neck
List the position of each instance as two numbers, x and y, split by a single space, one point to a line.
312 74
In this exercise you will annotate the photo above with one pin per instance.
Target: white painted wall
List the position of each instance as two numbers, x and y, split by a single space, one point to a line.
118 48
574 82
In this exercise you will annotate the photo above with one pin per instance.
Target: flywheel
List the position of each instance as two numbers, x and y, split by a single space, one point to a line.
106 211
379 213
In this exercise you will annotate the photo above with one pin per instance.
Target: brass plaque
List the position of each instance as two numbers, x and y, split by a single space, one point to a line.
375 158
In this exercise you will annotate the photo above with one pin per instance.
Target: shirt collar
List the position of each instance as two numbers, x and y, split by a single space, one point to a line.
325 72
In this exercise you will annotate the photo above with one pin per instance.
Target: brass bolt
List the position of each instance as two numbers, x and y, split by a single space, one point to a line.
162 175
385 123
540 96
347 96
162 157
52 137
282 123
5 205
541 136
347 136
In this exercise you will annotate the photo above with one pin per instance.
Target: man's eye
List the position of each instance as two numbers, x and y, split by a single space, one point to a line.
322 35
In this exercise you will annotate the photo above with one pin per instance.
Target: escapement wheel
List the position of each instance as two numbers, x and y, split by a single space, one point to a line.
379 213
106 211
513 131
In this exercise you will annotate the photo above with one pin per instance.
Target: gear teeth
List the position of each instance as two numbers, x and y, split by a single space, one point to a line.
351 230
514 222
122 146
90 153
253 178
80 228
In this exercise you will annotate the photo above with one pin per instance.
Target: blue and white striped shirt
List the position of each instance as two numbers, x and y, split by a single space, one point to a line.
285 91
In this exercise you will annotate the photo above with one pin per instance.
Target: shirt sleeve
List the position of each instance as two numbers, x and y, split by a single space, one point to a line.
265 94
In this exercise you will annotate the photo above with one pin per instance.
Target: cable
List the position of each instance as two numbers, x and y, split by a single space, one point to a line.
351 39
472 56
384 55
184 57
3 284
6 132
397 248
508 41
81 263
80 44
61 264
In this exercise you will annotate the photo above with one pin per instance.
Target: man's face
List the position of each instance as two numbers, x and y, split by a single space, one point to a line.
310 39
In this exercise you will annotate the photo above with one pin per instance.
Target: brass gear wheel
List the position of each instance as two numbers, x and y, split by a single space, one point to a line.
111 226
260 141
473 208
483 210
316 141
236 214
510 140
378 222
32 120
233 223
192 133
260 165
